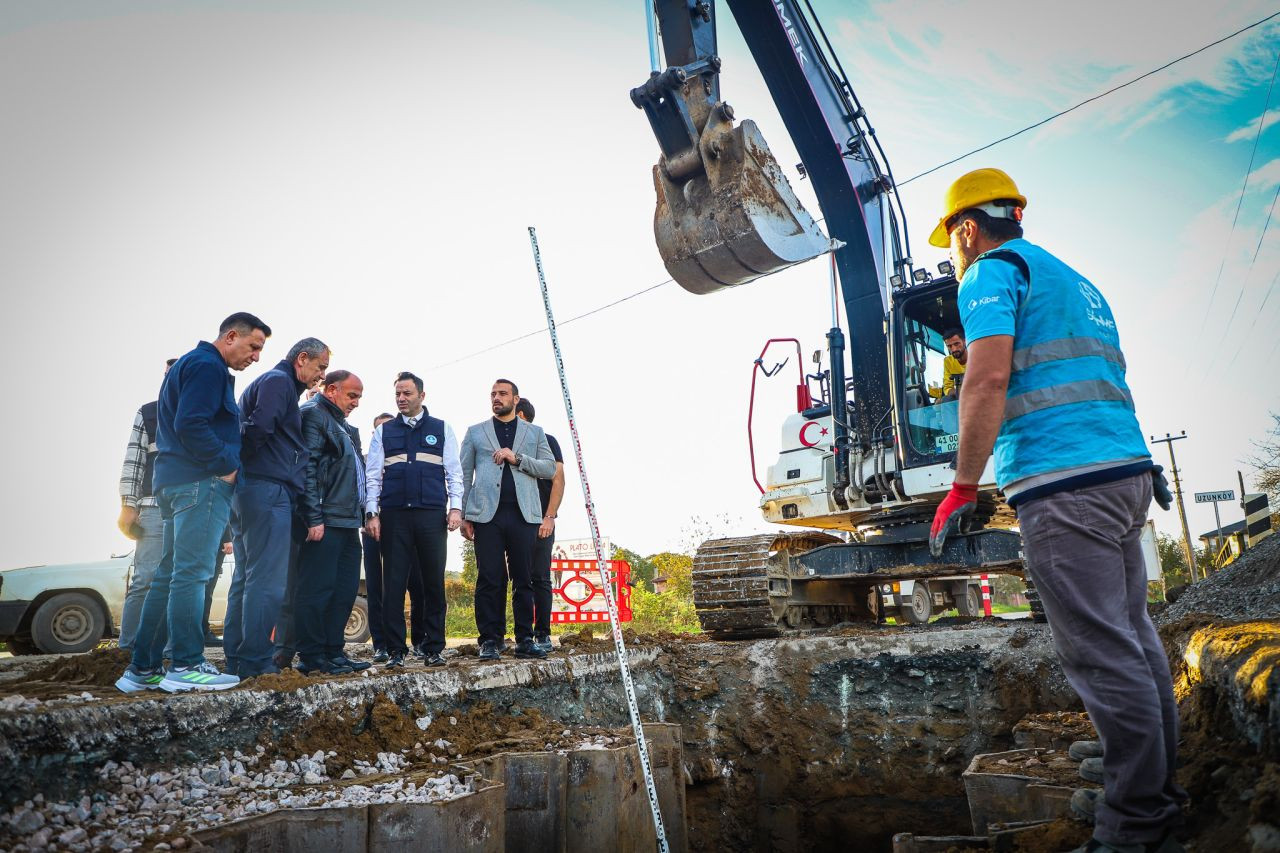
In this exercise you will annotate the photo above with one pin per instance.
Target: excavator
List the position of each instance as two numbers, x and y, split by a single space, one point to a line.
868 452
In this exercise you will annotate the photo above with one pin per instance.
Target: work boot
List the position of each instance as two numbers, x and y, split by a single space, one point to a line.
1084 804
1082 749
527 648
1091 770
380 656
543 641
489 650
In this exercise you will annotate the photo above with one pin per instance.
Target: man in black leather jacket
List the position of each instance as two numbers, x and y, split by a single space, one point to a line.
332 510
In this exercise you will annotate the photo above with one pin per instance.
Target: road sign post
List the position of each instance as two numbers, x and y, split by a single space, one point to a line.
1214 498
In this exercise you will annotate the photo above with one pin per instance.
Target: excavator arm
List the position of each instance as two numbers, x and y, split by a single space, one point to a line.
726 214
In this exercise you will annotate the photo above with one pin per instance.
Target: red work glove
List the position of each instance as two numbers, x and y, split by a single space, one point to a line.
959 501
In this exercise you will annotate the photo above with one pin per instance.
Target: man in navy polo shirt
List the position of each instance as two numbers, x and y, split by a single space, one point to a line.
197 460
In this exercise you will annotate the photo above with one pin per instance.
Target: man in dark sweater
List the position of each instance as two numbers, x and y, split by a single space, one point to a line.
332 510
273 458
196 466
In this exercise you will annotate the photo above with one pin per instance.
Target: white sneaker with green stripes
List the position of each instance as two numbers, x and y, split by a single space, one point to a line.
202 677
136 680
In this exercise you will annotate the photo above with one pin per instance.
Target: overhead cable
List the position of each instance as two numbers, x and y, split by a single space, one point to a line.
1090 100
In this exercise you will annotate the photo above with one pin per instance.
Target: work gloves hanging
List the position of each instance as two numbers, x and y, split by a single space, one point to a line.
1160 488
958 503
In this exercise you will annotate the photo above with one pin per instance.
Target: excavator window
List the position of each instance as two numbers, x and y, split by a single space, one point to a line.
931 423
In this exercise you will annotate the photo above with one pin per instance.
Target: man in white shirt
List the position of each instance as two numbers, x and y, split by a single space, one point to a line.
414 501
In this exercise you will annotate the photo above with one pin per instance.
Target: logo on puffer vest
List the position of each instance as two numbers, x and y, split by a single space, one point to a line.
431 439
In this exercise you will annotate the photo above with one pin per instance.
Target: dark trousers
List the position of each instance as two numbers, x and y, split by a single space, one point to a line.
286 639
413 543
262 524
1083 549
373 589
213 582
328 580
542 584
507 535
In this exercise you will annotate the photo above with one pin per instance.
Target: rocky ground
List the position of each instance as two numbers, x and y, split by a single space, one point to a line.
797 743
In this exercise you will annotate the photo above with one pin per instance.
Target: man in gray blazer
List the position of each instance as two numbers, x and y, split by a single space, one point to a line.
502 460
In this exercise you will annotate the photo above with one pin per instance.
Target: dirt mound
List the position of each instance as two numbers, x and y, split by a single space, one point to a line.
98 668
381 726
1053 837
1053 767
1053 730
286 680
1249 588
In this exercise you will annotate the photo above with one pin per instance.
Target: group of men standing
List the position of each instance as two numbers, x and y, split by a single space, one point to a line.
290 480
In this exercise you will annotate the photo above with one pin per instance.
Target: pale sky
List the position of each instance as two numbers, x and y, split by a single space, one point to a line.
365 172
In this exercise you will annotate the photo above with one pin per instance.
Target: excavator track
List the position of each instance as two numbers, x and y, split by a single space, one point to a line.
731 581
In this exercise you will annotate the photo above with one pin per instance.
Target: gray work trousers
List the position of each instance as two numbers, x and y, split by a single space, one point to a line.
1083 551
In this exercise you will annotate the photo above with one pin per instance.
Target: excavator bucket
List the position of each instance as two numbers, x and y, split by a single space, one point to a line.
735 220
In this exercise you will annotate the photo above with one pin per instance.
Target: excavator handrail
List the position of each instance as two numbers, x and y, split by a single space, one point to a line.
803 400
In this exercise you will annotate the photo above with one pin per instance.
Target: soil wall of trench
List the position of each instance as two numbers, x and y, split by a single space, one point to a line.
808 742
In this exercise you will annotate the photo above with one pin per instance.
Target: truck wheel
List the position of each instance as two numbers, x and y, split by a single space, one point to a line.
918 609
357 630
68 623
969 605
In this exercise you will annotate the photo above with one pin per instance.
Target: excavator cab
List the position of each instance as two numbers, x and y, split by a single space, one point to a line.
929 422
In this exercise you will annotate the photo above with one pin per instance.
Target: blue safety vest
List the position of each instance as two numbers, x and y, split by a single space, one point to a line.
1068 405
413 466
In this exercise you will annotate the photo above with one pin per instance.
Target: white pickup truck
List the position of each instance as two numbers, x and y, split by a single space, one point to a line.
73 607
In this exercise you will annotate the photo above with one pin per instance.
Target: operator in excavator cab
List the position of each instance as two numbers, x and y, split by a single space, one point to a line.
1045 389
952 366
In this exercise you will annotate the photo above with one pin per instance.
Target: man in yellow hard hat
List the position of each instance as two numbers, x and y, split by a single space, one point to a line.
1045 389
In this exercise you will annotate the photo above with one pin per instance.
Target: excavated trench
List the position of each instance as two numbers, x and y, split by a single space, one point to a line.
811 741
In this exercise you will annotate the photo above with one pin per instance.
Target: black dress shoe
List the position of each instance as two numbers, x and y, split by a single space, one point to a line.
434 659
356 665
527 648
322 667
283 659
490 650
380 655
395 660
212 640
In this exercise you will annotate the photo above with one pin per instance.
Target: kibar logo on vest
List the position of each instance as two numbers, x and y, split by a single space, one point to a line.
431 439
1094 299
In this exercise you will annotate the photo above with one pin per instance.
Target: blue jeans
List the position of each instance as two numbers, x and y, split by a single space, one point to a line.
195 515
261 520
146 559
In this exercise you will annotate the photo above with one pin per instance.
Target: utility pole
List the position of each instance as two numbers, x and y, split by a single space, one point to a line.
1244 540
1187 550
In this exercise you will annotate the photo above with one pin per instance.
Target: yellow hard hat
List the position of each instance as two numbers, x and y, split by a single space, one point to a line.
975 189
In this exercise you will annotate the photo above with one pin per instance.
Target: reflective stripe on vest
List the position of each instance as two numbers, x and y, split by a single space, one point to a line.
1084 391
1064 348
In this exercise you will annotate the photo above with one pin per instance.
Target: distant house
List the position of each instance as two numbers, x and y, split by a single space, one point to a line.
1227 548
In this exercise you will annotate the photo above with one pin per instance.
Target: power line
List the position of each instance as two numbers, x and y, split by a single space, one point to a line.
1040 123
563 323
1226 250
1271 287
1045 121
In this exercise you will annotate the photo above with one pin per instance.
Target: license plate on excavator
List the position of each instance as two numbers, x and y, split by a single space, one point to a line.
735 220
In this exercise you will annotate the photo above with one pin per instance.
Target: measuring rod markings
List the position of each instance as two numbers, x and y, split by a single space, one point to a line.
619 644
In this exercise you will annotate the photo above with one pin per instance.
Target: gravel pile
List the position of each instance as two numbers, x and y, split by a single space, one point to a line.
134 809
1249 588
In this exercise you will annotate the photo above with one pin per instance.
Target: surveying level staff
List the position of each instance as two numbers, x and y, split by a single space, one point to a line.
551 492
502 460
331 507
413 477
1045 385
